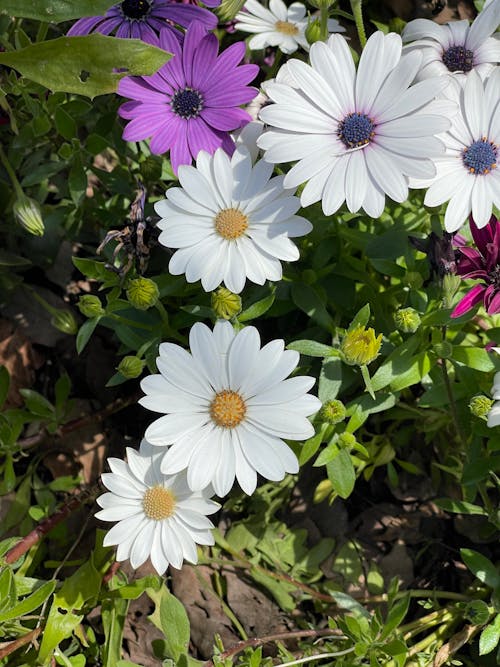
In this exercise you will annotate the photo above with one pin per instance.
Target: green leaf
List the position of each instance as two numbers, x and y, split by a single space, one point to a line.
309 302
311 446
85 332
8 595
345 601
171 618
54 11
4 384
257 309
474 357
419 367
481 567
396 614
459 506
136 588
77 180
65 124
310 348
330 379
361 318
490 637
114 615
85 65
341 474
37 404
397 363
29 603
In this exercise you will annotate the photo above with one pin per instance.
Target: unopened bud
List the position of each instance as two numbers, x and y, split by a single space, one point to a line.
64 321
228 9
142 293
332 412
480 406
90 306
225 304
131 367
29 215
313 31
322 4
407 320
444 350
360 346
346 440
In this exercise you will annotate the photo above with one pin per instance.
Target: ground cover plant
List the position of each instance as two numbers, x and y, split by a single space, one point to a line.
249 333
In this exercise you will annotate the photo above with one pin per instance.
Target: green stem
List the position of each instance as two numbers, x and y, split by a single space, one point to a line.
356 6
130 323
318 656
42 31
12 175
323 23
171 333
449 391
278 55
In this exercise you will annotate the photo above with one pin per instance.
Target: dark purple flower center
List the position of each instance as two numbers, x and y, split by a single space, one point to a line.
480 157
356 130
187 103
494 276
135 9
458 59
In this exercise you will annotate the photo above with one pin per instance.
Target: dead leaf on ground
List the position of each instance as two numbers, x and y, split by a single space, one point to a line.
18 356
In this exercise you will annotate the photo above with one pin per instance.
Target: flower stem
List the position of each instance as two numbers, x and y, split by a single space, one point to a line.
356 6
323 22
449 392
12 175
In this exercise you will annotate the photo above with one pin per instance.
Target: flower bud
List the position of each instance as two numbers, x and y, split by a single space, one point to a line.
322 4
332 412
90 306
142 293
64 321
480 406
346 440
444 350
228 9
360 346
29 215
225 304
131 367
407 320
313 31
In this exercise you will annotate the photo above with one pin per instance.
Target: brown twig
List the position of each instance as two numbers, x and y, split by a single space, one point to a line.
80 422
259 641
115 566
49 523
21 641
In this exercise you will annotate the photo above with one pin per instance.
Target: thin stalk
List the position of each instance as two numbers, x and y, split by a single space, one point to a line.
357 11
323 22
278 54
319 656
451 397
41 34
12 174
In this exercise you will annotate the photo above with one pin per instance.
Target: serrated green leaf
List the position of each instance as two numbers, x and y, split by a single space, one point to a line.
481 567
54 11
490 637
85 65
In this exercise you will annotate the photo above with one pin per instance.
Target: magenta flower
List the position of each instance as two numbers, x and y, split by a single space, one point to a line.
482 264
143 19
192 102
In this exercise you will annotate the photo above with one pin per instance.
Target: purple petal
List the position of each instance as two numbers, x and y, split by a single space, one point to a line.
109 25
143 127
84 26
204 59
179 152
227 60
125 29
194 37
494 306
130 109
201 137
148 35
184 15
473 296
230 97
165 137
225 119
136 88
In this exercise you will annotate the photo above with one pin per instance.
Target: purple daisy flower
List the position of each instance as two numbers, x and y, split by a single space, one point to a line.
482 264
192 102
143 19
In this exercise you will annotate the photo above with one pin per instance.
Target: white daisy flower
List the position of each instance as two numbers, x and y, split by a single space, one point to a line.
158 515
467 174
279 25
230 221
494 413
357 136
457 47
228 405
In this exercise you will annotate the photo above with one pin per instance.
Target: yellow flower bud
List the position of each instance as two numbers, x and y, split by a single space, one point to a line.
142 293
407 320
360 346
29 215
225 304
480 406
90 306
131 367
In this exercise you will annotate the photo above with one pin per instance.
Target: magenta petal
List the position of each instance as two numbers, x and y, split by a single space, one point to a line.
473 296
136 88
494 306
481 236
194 37
204 59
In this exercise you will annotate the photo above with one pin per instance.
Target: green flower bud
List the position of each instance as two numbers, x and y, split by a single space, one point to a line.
29 215
320 4
332 412
407 320
142 293
228 9
444 350
480 406
346 440
131 367
64 321
313 31
360 346
225 304
90 306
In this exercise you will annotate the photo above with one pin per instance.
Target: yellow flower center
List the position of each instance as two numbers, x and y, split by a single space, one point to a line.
158 503
286 28
227 409
231 223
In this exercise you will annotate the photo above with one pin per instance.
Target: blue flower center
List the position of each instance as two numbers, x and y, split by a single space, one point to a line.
356 130
135 9
480 157
458 59
187 103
